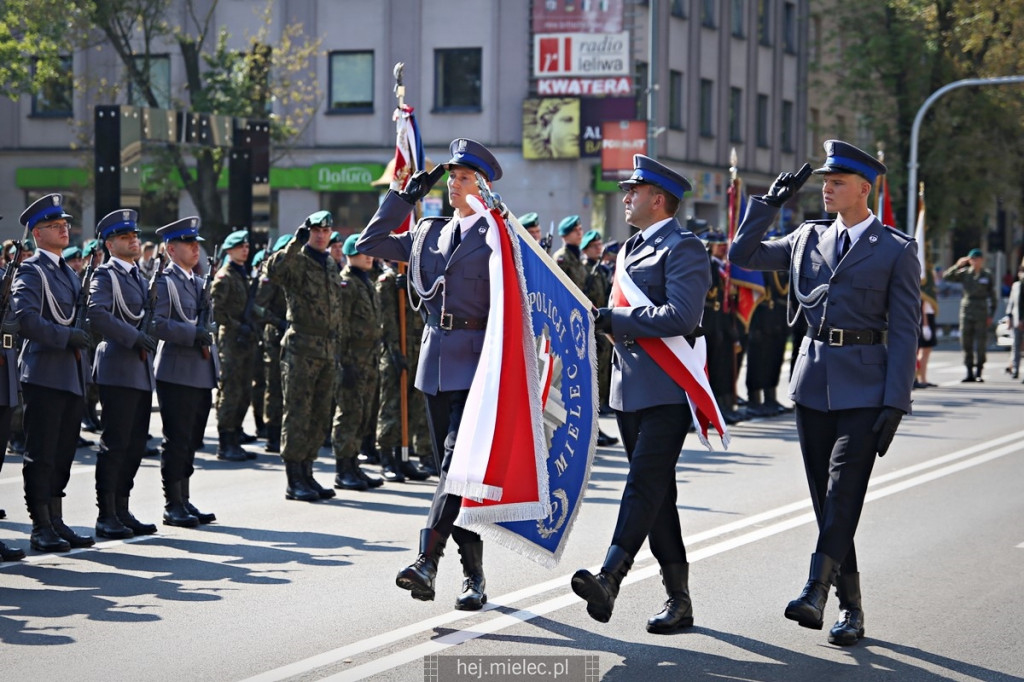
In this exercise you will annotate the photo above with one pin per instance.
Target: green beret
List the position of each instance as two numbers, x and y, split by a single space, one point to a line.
236 238
281 242
589 237
71 252
568 225
335 239
349 248
89 247
258 258
974 253
529 219
320 219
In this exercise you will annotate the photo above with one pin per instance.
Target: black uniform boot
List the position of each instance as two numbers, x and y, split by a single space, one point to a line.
678 611
970 375
229 449
849 629
428 465
418 578
307 471
368 452
600 591
11 553
44 538
57 521
410 469
273 438
347 478
175 513
107 523
129 520
245 438
771 402
977 373
389 468
807 608
473 596
298 488
371 481
204 518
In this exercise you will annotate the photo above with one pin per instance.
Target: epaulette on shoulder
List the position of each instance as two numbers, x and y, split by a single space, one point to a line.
820 221
898 233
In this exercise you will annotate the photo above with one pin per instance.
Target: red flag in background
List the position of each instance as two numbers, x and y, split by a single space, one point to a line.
885 213
408 153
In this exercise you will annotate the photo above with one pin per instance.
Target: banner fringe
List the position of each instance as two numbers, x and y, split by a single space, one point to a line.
478 492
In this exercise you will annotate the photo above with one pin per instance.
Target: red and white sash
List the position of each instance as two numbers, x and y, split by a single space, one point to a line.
686 365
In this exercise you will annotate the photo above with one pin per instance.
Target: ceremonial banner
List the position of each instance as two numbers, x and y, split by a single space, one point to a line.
552 476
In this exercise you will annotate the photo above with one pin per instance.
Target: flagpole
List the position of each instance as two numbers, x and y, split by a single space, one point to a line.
403 372
733 218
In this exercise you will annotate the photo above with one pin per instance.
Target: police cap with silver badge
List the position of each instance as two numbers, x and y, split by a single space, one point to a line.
236 238
529 219
648 171
843 157
184 230
320 219
46 208
472 154
121 221
349 247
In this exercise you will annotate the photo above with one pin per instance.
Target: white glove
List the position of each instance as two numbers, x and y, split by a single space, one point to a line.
926 332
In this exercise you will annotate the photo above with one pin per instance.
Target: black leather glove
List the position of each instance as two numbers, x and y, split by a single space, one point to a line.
603 320
785 186
204 337
144 341
349 376
79 338
420 183
885 426
401 280
302 235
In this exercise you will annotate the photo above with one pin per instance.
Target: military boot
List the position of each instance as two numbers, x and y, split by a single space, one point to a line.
175 513
600 591
298 488
410 468
389 468
368 452
969 377
44 538
418 578
771 402
678 611
371 481
977 373
347 478
428 464
229 449
11 553
473 596
273 438
849 629
62 529
807 608
307 472
107 523
129 520
204 518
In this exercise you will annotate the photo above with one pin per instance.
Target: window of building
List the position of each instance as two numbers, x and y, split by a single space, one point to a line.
641 90
679 8
764 21
789 27
675 100
762 121
738 8
735 115
55 96
457 79
156 70
707 13
707 109
787 126
350 78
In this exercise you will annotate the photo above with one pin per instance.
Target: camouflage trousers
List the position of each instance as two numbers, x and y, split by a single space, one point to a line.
305 383
235 390
973 338
389 417
355 413
273 399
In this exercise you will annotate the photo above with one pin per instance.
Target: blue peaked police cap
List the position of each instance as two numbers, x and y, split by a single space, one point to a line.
843 157
186 230
121 221
49 207
648 171
472 154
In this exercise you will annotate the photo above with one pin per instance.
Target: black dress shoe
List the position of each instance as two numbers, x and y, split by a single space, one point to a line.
3 513
16 446
45 539
70 536
604 440
11 553
85 443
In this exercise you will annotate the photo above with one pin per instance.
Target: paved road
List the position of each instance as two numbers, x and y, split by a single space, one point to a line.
280 590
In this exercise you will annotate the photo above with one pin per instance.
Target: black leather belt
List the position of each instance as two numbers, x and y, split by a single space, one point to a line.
851 337
448 322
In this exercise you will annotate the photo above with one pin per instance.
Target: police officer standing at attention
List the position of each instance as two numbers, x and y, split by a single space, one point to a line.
857 283
448 266
670 266
55 370
309 277
977 307
186 369
123 371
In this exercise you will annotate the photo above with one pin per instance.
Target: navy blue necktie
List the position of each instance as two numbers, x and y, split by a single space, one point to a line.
844 243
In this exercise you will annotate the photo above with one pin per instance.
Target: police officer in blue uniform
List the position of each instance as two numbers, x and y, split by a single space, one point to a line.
857 283
55 371
448 266
186 368
123 371
8 396
669 264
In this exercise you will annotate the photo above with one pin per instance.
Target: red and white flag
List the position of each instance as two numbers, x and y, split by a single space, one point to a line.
408 154
686 365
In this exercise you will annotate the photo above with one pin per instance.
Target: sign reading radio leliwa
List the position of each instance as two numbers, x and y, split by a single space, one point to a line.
594 55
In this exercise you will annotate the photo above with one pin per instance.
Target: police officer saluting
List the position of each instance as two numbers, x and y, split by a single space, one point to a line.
857 283
123 371
186 368
55 370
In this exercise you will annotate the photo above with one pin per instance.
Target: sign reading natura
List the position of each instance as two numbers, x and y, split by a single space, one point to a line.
344 177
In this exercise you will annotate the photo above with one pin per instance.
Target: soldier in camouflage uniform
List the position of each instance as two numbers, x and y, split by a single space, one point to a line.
235 344
392 361
977 307
309 360
258 391
357 382
271 298
598 287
